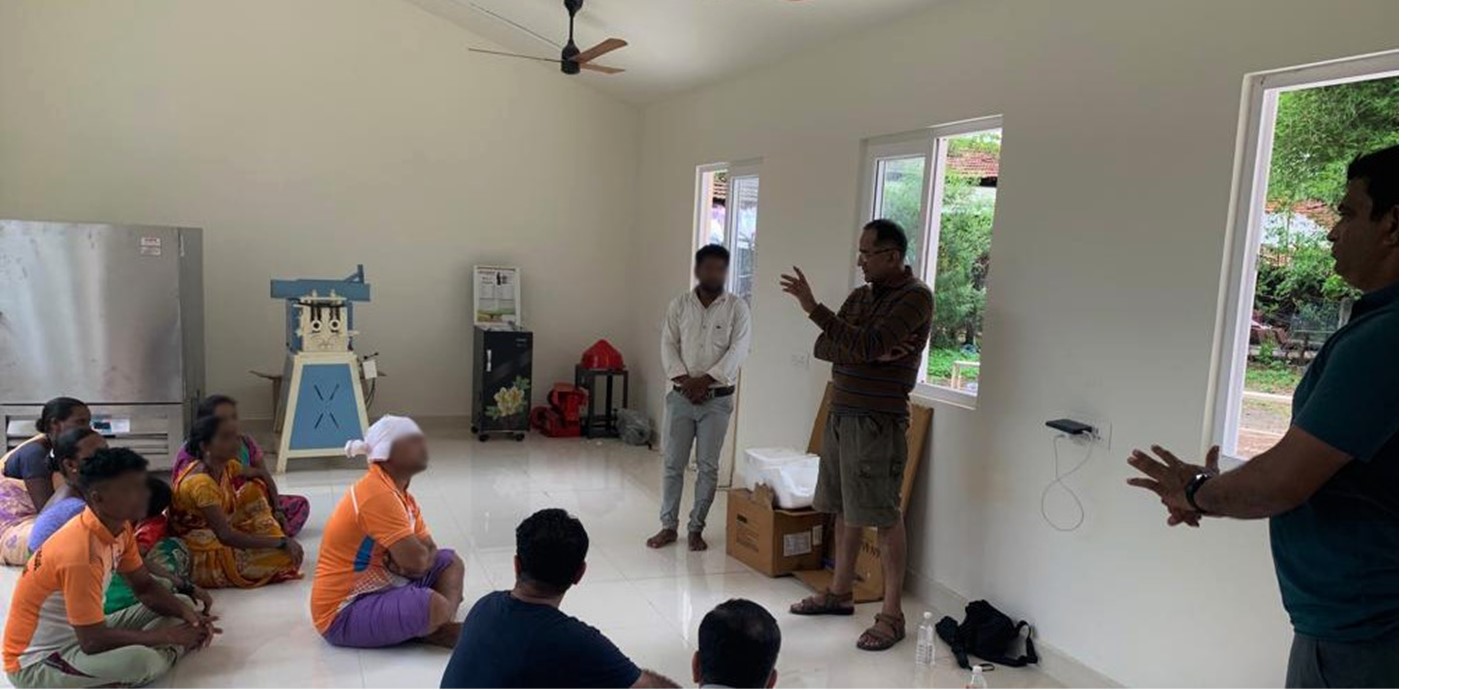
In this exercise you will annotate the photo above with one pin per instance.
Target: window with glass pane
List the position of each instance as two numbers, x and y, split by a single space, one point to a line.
745 195
968 166
728 202
899 188
1291 301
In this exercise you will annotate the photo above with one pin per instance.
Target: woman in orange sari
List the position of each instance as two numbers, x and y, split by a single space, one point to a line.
228 525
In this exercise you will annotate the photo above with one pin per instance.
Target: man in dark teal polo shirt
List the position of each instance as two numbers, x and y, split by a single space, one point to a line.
1331 485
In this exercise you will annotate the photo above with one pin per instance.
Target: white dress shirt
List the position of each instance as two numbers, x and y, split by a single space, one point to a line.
711 340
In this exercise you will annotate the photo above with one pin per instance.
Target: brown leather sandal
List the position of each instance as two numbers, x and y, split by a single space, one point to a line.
887 631
825 604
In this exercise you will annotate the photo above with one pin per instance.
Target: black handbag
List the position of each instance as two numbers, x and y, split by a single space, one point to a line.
988 634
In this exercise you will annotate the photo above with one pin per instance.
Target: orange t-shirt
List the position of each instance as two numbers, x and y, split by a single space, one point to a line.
372 516
63 585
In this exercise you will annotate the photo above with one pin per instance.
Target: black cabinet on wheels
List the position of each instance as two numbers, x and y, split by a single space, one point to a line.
501 383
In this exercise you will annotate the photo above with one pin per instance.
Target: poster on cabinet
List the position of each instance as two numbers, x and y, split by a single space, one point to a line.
497 297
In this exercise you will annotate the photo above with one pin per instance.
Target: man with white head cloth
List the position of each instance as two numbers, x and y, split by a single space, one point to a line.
381 580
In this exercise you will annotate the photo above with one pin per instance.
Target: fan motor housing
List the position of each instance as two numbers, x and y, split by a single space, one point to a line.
569 66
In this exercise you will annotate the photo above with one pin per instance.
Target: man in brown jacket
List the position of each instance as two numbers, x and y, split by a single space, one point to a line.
875 344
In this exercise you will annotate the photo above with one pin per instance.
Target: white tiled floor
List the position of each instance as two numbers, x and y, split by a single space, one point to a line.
647 602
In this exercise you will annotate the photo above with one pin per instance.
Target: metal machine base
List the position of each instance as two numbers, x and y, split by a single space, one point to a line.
324 407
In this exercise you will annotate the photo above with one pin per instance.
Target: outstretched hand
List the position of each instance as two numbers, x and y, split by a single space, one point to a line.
797 286
1168 479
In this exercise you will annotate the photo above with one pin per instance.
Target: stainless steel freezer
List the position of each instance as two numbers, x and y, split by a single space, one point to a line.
109 314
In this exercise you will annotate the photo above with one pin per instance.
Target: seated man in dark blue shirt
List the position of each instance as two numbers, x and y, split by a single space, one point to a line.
519 638
739 644
1331 485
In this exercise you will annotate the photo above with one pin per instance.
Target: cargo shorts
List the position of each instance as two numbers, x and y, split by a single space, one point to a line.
862 460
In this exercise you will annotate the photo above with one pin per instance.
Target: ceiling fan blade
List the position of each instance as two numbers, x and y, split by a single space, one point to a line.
600 68
595 52
514 55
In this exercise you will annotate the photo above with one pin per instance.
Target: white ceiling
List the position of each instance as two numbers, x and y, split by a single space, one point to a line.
674 45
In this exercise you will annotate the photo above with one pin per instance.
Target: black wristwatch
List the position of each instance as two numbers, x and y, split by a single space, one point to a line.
283 543
1195 485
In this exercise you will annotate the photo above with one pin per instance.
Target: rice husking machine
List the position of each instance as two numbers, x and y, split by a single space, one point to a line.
323 405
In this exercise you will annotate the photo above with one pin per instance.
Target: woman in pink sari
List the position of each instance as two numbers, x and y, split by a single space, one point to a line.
291 511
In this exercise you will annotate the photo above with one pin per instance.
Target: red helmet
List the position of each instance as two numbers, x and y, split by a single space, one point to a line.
602 356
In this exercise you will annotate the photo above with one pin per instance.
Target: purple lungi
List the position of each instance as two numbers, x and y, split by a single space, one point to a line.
388 617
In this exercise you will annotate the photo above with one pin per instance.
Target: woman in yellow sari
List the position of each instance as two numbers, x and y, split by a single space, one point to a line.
232 534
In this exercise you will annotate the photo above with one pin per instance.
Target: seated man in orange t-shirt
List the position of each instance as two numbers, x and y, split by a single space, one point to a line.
381 580
57 634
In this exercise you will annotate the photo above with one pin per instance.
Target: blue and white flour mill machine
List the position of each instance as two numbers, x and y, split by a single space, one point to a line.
323 405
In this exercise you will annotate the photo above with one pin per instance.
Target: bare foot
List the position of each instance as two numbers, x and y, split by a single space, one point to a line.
445 636
697 542
664 538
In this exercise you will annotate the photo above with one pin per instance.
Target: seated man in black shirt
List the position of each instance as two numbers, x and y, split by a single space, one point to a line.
519 638
739 644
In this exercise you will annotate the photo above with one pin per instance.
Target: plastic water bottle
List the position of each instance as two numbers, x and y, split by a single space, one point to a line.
923 677
925 640
977 680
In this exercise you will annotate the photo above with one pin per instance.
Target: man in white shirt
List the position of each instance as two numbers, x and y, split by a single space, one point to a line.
706 338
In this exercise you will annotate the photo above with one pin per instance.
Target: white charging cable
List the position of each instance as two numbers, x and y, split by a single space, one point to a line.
1059 481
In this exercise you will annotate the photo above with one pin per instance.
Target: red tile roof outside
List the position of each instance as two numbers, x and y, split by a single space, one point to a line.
974 163
1320 212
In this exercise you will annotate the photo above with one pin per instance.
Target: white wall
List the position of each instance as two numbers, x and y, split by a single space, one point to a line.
1120 120
306 137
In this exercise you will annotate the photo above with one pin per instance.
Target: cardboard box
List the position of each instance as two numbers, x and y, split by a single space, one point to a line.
868 583
774 542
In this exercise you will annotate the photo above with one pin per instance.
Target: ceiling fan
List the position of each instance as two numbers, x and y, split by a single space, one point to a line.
572 59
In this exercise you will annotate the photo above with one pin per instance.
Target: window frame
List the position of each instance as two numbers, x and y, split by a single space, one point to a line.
1260 95
875 153
704 176
931 144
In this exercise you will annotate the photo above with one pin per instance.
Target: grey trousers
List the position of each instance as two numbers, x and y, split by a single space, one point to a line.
702 426
1314 663
124 666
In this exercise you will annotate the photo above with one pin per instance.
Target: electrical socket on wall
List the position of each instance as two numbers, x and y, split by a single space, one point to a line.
801 360
1103 428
